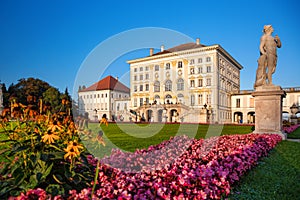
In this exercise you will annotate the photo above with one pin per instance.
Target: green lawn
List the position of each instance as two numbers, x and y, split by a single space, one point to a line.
295 134
276 177
130 137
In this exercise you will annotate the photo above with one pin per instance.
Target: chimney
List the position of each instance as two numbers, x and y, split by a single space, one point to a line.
162 48
198 41
151 51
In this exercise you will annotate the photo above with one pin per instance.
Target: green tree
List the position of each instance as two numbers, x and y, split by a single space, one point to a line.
53 97
28 87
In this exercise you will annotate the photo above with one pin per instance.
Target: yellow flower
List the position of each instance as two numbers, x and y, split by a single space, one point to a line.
49 137
70 154
100 139
53 126
104 121
75 146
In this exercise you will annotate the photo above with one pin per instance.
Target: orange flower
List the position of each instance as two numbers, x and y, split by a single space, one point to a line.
53 126
104 121
73 150
74 145
49 137
100 138
70 154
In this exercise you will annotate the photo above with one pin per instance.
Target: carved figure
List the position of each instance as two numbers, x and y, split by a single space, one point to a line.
268 57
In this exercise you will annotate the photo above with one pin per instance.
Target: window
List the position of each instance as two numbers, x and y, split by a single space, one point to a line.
135 69
141 69
156 98
208 82
118 107
141 77
168 66
192 70
192 61
135 102
112 96
156 86
192 83
98 95
208 69
180 84
141 101
156 67
199 60
208 98
135 78
179 64
180 98
147 77
135 88
200 82
125 106
200 99
192 99
208 59
102 95
238 103
106 95
147 87
200 70
168 86
147 100
141 87
146 68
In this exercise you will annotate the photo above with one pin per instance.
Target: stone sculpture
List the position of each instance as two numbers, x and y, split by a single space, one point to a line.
268 57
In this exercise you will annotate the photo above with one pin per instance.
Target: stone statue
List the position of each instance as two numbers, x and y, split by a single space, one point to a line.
268 57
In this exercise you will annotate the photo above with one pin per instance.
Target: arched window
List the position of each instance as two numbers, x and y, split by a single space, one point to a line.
168 85
180 84
156 86
180 98
168 98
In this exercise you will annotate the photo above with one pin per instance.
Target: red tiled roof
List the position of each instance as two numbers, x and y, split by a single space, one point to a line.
181 47
108 83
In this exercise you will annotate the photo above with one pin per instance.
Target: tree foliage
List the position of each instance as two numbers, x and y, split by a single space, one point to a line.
31 90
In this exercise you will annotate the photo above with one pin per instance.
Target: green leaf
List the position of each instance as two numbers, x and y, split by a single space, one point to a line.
76 179
58 178
55 189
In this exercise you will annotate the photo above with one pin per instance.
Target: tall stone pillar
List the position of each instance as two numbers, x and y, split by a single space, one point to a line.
268 109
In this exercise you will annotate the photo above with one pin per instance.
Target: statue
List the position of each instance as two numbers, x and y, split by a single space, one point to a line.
268 57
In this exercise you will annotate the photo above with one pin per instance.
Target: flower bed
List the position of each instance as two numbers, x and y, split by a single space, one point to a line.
180 168
290 129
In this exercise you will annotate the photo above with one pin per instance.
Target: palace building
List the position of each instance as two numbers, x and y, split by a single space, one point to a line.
188 83
99 98
191 82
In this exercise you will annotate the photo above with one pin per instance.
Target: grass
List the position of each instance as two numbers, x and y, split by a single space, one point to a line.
295 134
276 177
130 137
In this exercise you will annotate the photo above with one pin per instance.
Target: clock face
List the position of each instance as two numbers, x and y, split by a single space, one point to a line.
179 72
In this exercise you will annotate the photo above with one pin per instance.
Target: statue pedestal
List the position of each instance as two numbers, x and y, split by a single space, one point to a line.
268 109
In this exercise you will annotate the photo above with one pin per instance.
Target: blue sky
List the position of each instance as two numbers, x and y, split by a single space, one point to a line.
50 40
